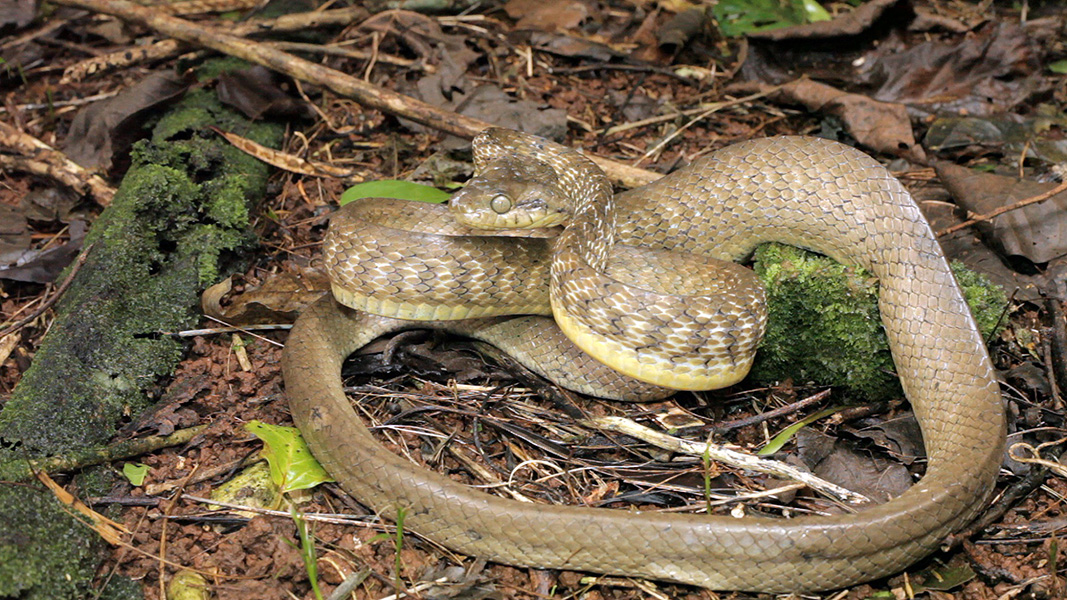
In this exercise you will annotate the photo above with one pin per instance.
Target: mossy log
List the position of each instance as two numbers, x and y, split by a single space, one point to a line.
181 211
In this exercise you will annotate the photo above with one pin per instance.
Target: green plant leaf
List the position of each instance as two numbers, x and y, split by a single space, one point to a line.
135 472
814 11
1060 67
787 434
292 467
394 188
942 578
739 17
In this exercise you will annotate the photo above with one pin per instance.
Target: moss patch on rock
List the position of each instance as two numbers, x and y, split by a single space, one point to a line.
824 325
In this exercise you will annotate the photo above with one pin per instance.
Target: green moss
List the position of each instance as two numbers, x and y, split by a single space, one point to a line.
45 553
824 325
987 300
181 209
210 70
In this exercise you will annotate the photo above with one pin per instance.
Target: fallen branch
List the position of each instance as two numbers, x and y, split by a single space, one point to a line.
41 159
17 470
340 83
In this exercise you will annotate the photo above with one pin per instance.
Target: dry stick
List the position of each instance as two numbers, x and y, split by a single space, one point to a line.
17 470
724 455
1003 209
78 262
725 427
341 83
54 164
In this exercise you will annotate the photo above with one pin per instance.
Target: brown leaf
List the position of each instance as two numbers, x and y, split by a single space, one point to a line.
424 36
967 248
561 44
881 126
682 27
108 127
18 13
45 266
547 15
1037 231
14 235
982 74
833 460
259 92
278 300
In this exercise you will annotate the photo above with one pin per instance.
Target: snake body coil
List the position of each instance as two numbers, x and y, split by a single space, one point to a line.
806 192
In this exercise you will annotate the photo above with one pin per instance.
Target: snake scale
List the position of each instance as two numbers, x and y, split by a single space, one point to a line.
807 192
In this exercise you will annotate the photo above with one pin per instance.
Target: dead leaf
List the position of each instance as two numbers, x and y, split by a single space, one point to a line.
568 46
7 345
547 15
279 299
49 204
682 27
833 460
982 74
259 92
900 436
881 126
44 266
14 235
17 13
109 127
104 527
449 53
490 103
1040 136
966 247
1037 232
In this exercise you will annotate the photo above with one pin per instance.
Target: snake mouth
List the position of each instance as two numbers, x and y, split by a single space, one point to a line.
538 218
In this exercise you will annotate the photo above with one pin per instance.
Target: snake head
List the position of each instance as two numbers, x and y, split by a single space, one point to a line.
512 193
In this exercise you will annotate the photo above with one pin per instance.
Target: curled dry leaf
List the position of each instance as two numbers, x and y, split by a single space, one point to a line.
881 126
982 74
834 460
259 92
1037 232
279 299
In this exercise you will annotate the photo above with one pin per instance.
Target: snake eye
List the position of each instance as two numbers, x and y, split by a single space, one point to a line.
500 204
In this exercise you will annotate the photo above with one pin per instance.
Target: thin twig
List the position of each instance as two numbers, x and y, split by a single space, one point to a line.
724 455
1003 209
721 428
78 262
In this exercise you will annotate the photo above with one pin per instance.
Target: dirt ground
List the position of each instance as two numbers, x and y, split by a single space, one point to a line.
600 75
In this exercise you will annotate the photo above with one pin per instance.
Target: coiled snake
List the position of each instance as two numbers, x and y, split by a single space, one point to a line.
808 192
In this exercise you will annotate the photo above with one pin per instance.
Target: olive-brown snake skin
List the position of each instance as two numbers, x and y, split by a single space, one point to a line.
807 192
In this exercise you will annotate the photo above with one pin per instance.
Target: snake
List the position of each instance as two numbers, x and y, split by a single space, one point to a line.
809 192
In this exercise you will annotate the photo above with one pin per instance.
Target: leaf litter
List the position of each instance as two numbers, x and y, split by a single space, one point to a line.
501 435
